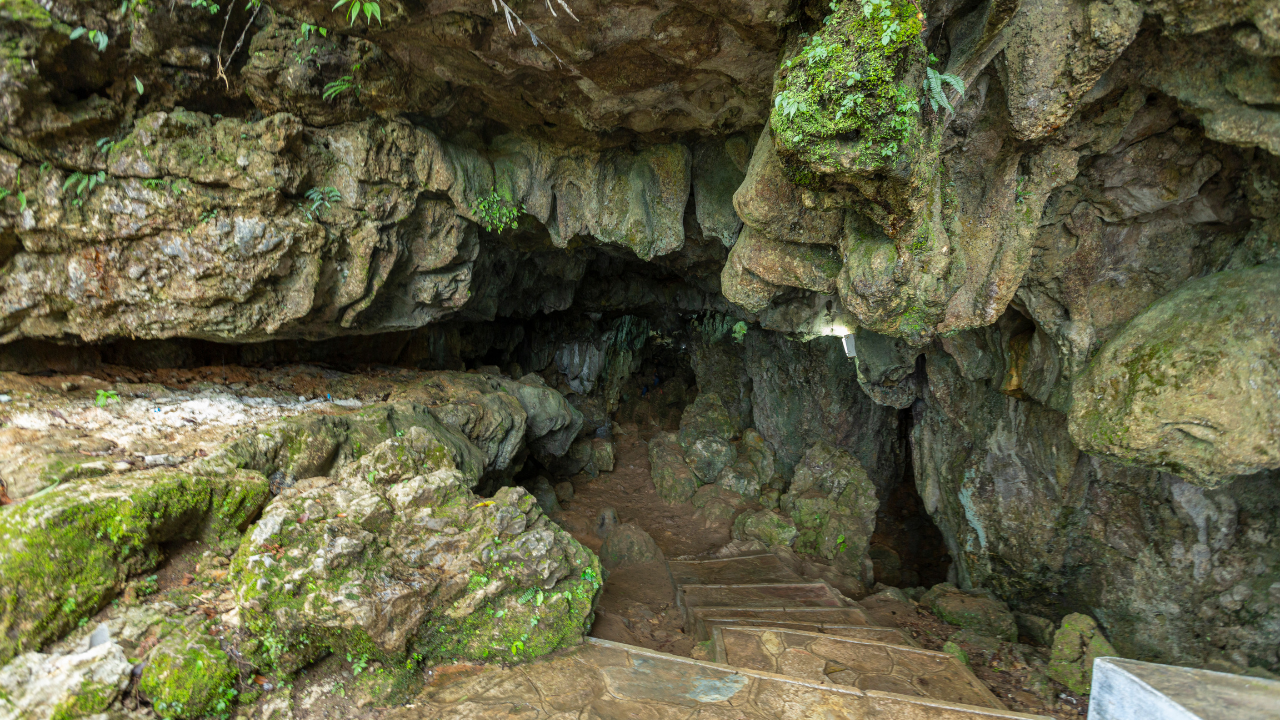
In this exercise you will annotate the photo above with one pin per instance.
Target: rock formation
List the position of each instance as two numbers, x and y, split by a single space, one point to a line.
1007 272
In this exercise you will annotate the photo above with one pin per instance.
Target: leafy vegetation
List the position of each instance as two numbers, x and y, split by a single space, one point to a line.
933 83
740 331
97 37
369 8
212 7
106 396
321 199
339 86
495 213
83 182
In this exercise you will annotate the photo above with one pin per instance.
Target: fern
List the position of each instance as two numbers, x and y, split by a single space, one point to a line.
84 182
933 83
339 86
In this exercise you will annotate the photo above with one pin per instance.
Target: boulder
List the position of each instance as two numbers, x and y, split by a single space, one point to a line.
1078 642
832 504
36 686
977 612
672 477
1039 630
1188 386
708 455
767 527
69 550
753 469
706 417
188 675
396 556
629 545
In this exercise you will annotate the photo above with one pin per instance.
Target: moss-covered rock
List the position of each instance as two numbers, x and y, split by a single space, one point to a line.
706 417
1189 385
66 552
848 108
974 611
395 557
672 477
1078 642
768 527
832 503
188 675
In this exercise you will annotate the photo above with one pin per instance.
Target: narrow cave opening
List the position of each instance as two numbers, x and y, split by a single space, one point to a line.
907 548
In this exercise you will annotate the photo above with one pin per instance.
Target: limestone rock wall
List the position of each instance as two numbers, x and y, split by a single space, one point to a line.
1081 243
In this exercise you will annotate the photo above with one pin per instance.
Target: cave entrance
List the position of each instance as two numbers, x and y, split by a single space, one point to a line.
907 549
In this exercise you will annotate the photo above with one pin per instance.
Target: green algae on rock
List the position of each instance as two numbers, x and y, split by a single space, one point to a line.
1189 386
188 675
394 558
833 505
973 611
68 551
1075 646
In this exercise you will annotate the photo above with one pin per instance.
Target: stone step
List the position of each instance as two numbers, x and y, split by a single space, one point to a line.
869 633
801 594
602 679
696 618
830 659
745 570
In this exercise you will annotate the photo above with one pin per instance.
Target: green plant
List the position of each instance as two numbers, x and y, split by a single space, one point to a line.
212 7
370 9
321 199
83 182
96 37
787 104
358 664
495 213
106 396
137 84
339 86
157 184
933 83
105 144
208 215
740 331
890 26
308 29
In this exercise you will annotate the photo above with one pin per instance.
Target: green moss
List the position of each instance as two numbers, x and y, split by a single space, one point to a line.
92 698
188 676
65 553
847 100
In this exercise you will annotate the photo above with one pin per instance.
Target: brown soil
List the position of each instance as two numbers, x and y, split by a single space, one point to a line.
638 603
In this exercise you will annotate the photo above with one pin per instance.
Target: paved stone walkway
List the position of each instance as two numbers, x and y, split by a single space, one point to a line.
785 649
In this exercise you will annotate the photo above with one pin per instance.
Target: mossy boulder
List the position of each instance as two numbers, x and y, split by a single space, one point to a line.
188 675
974 611
395 557
848 109
1078 642
672 477
66 552
833 504
1188 386
706 417
768 527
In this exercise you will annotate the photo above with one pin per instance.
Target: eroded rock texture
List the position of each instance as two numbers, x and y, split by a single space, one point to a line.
1041 290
